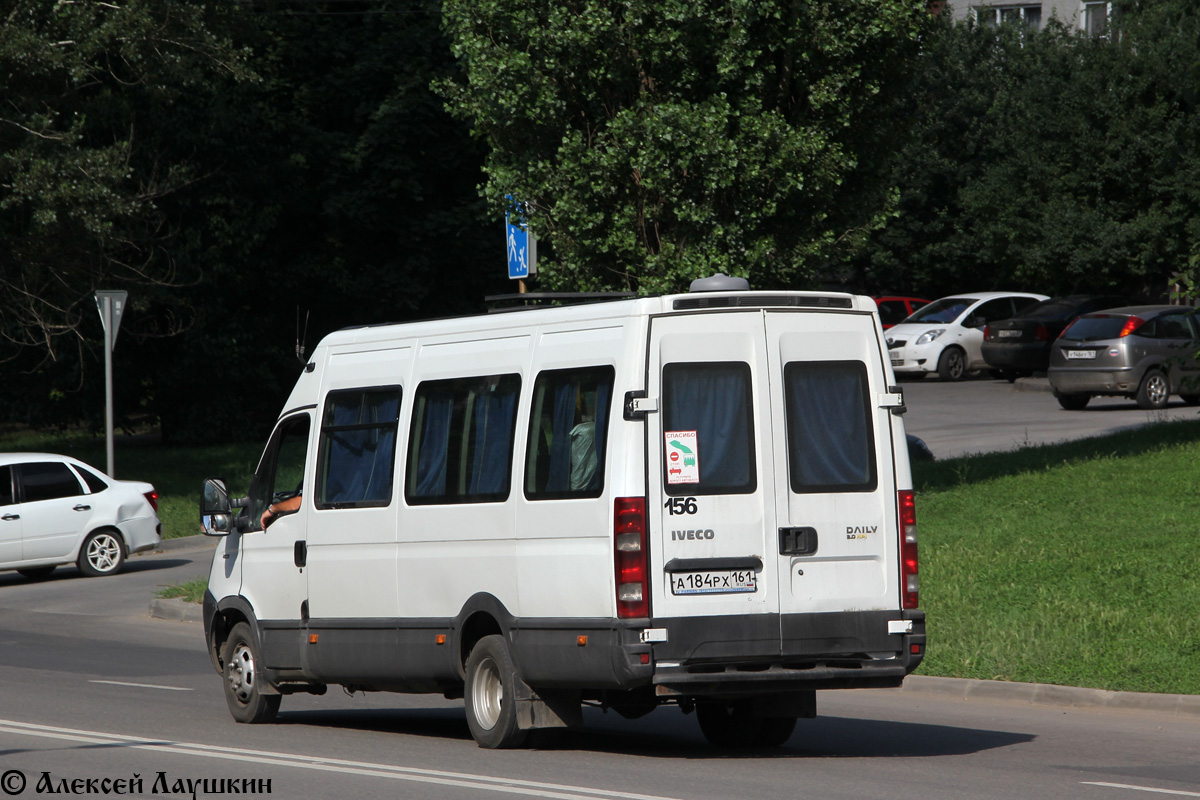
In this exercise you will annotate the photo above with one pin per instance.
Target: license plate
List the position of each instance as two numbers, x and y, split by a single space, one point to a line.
729 581
1008 334
1076 354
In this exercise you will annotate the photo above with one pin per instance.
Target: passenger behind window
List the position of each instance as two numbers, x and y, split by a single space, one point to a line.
584 459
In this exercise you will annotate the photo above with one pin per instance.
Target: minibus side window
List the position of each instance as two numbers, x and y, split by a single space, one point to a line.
568 428
358 448
831 444
713 400
461 440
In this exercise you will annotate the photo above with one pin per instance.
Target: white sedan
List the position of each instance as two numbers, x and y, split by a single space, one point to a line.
57 510
946 336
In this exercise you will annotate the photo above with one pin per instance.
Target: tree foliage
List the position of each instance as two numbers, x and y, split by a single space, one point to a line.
1048 160
83 167
660 140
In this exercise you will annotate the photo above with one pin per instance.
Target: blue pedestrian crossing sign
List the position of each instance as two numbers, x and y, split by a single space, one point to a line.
522 246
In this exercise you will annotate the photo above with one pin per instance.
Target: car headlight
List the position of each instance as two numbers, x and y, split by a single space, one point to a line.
929 336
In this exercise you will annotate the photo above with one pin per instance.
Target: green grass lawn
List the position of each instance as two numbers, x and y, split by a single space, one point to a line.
1073 564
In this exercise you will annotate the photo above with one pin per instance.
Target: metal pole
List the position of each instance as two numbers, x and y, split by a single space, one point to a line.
108 383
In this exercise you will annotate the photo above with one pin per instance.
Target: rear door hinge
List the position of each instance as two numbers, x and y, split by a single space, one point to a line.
637 405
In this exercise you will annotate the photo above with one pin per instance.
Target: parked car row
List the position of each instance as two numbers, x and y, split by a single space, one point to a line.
1088 345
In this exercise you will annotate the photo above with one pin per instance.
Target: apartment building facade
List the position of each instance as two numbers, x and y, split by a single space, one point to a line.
1088 15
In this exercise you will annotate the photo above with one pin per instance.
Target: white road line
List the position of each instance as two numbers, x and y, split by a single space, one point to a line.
145 686
1134 788
460 779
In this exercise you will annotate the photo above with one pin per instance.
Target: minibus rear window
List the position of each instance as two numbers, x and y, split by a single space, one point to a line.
831 444
709 402
358 448
461 440
568 429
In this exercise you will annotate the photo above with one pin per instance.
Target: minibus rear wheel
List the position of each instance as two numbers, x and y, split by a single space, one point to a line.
490 695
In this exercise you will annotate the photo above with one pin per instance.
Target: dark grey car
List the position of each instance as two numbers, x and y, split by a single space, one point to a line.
1146 353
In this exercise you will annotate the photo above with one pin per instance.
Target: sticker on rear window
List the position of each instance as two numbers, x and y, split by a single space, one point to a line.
683 460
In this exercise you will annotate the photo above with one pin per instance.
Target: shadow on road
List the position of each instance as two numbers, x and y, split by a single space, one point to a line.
668 734
71 572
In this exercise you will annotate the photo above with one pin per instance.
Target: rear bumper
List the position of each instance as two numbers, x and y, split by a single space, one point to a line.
1032 356
755 654
141 533
1076 380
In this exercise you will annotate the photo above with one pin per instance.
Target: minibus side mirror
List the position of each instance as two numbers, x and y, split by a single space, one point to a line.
216 516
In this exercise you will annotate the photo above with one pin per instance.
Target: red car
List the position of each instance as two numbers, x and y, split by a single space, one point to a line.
894 310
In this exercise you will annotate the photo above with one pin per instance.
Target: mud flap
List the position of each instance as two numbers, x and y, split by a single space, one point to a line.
547 709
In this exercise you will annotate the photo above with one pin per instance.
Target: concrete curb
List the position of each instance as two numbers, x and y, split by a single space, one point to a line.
173 608
1041 694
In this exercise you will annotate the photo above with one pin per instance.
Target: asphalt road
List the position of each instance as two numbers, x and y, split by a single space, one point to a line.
95 689
986 415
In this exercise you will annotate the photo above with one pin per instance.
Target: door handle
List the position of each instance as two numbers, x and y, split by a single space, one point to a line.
82 507
8 517
300 553
797 541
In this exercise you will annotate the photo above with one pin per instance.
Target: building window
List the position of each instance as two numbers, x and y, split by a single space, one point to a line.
1095 18
1029 16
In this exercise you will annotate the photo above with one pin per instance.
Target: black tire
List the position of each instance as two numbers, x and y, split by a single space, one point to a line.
952 366
242 670
490 695
776 731
1073 402
102 553
1154 390
36 573
731 726
1190 399
1009 375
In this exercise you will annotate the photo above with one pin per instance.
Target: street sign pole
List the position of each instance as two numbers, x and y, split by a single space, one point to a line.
111 305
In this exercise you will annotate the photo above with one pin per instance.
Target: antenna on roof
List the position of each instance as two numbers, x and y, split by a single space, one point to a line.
299 336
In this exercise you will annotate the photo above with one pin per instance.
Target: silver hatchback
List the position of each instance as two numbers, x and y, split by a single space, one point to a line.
1146 353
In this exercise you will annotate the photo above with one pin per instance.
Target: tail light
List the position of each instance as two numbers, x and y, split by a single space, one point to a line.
1042 334
1131 325
152 499
908 548
987 332
631 558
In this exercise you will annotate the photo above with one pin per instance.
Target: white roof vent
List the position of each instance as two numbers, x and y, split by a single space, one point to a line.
719 283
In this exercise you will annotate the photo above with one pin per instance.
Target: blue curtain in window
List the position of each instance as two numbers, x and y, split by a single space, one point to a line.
562 420
493 432
829 436
434 443
714 401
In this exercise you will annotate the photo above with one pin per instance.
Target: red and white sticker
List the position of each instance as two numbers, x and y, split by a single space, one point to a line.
682 456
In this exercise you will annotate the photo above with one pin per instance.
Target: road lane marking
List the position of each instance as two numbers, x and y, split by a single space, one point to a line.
465 780
1134 788
145 686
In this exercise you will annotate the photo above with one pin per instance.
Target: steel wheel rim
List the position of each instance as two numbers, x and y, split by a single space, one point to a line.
241 673
487 693
1156 390
103 552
